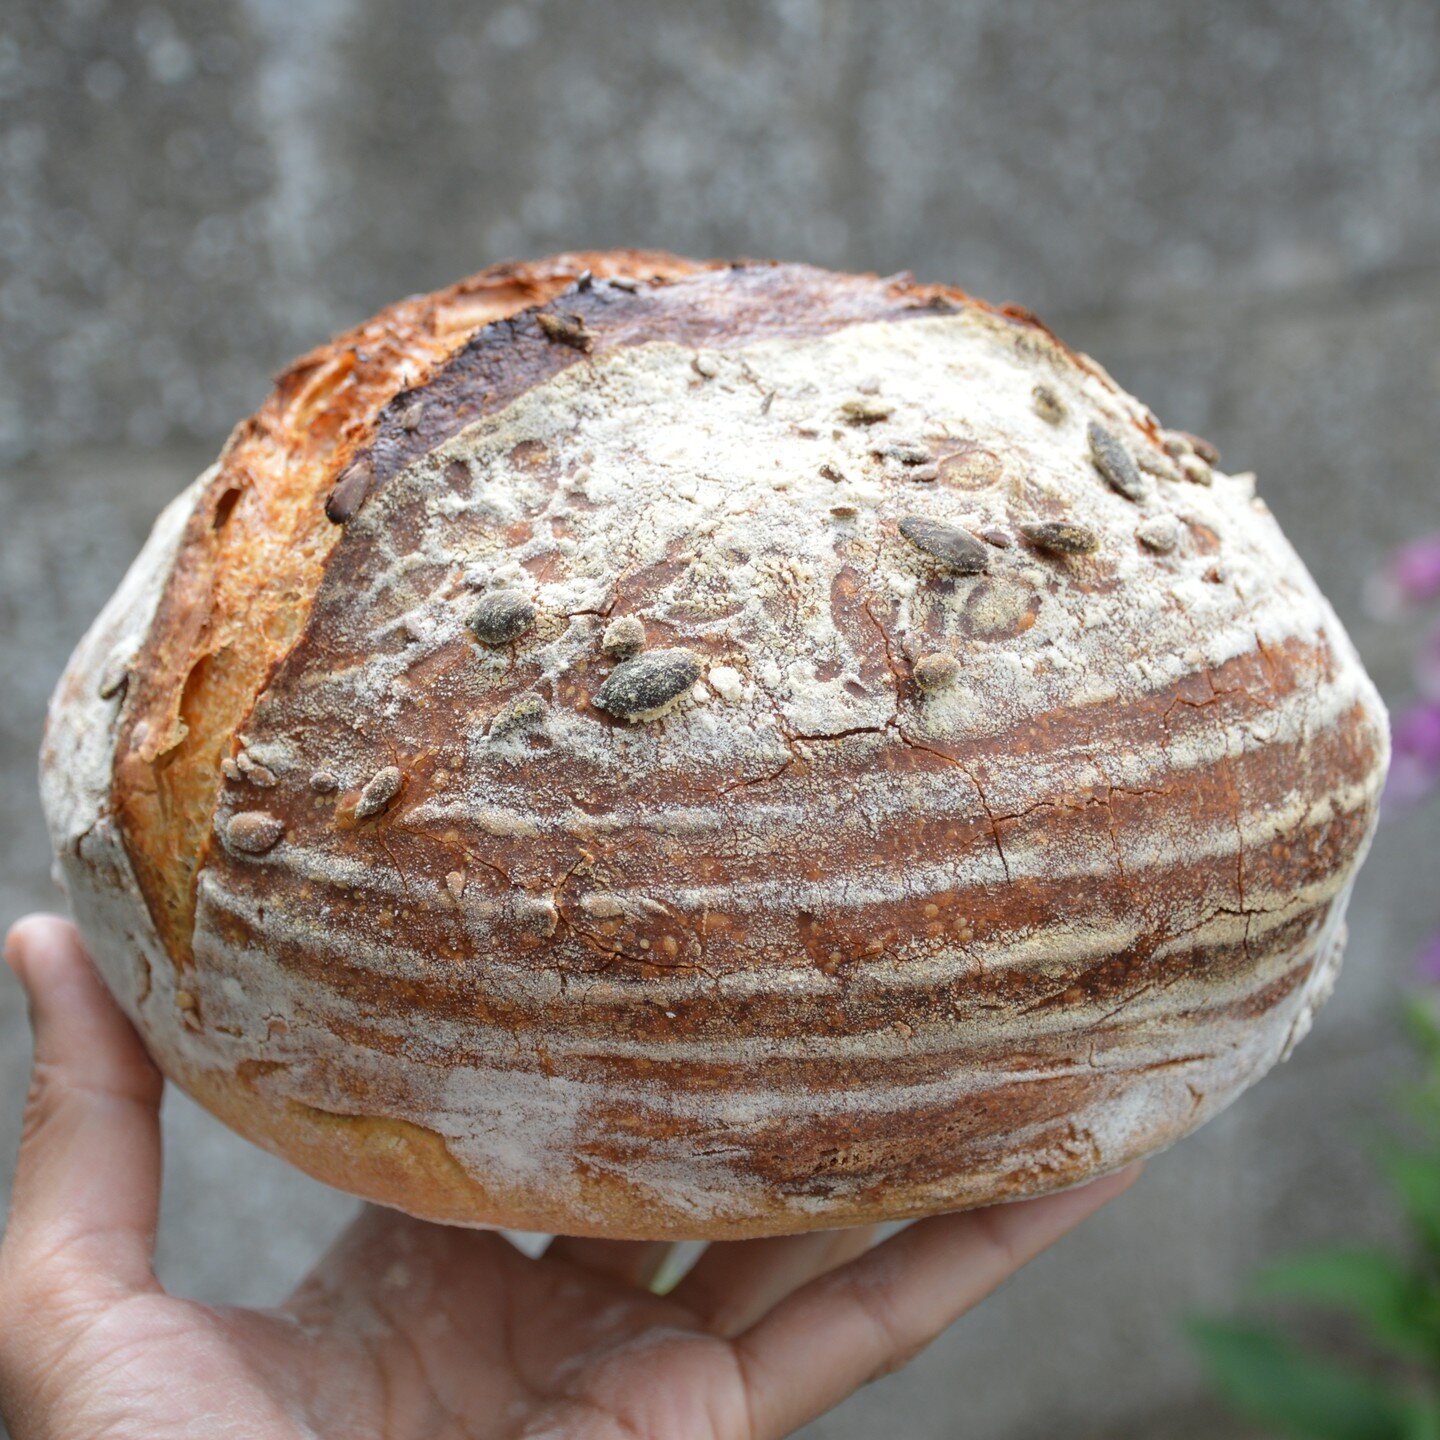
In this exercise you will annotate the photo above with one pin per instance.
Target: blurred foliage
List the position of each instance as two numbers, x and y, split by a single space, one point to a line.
1388 1385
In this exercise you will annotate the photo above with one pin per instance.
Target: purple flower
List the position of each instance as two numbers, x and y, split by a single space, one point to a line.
1411 577
1416 568
1427 962
1427 665
1417 733
1415 763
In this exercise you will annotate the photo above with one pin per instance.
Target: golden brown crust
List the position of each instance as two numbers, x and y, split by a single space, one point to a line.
257 544
407 1167
810 942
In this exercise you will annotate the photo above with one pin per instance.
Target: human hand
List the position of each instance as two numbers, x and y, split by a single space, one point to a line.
408 1330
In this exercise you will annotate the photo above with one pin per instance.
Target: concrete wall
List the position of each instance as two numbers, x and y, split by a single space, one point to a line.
1236 206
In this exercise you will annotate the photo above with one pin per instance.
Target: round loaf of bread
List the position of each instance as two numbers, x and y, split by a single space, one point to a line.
632 747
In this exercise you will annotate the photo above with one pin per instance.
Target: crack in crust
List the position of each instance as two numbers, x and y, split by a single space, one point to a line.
256 549
820 942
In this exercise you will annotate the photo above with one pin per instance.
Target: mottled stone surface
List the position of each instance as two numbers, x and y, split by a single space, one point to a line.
1236 208
190 192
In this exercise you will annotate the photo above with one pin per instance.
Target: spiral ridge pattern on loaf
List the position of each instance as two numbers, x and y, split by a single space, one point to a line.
976 815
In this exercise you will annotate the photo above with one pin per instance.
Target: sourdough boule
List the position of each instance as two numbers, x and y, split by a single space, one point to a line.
702 752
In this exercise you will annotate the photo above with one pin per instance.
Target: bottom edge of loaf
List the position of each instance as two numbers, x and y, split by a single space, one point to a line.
406 1167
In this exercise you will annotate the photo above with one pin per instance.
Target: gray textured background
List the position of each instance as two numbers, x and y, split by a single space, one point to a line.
1235 206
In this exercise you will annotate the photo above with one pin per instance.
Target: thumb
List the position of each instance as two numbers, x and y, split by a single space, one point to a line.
87 1181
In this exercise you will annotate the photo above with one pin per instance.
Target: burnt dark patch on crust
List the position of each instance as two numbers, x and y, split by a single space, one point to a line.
712 308
637 870
319 421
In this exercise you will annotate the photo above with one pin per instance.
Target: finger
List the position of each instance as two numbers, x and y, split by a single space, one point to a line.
733 1285
874 1314
635 1262
87 1181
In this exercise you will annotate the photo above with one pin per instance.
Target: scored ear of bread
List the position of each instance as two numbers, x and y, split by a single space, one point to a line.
255 550
636 747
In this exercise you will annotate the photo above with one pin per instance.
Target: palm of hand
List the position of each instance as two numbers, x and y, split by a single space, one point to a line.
408 1330
412 1331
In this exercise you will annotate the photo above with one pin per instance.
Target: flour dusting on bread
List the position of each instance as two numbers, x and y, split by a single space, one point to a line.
763 749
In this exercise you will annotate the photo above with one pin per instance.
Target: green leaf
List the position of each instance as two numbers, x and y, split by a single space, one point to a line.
1420 1103
1420 1099
1423 1421
1415 1177
1310 1397
1423 1026
1393 1303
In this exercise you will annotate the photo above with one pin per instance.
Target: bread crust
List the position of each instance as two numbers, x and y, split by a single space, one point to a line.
939 885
